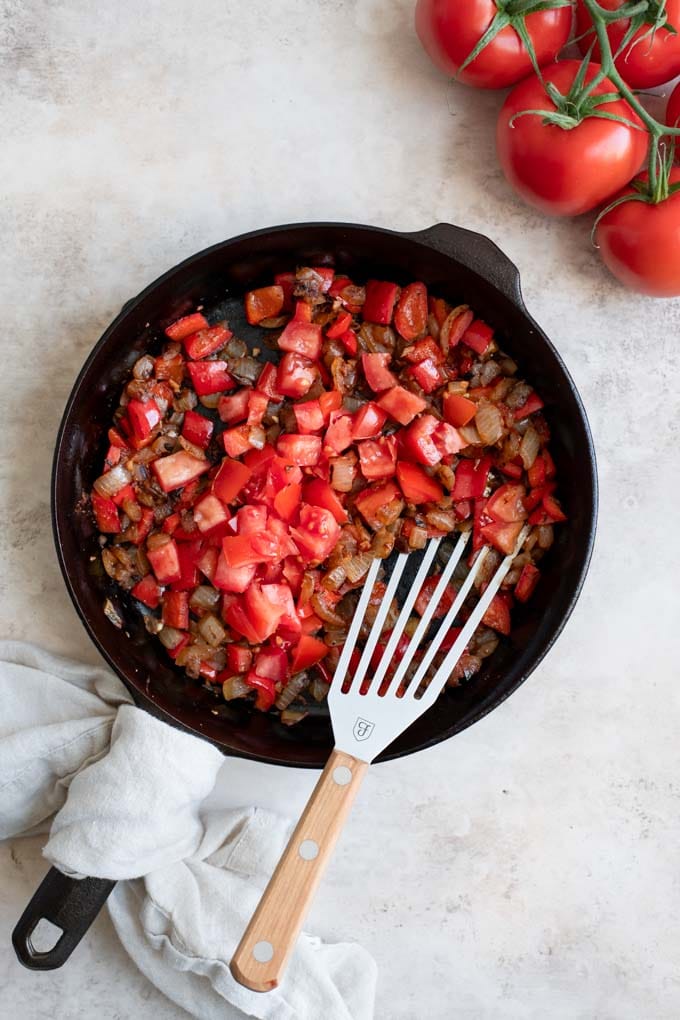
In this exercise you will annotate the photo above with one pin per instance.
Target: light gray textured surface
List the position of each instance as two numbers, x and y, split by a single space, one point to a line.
528 869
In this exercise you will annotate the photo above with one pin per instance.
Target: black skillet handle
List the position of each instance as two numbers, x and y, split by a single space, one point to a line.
71 904
479 253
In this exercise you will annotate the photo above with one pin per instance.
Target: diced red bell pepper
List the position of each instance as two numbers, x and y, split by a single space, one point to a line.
176 609
513 469
264 303
381 298
372 500
143 417
458 410
207 562
425 597
339 434
164 560
368 421
272 663
378 375
267 383
471 479
349 341
210 377
410 316
184 327
233 579
497 615
480 520
209 512
295 375
453 329
302 338
106 514
266 690
233 407
309 416
378 457
239 659
316 534
308 652
506 504
428 375
137 531
257 407
178 469
176 649
234 614
424 349
477 336
342 323
527 582
463 509
503 536
236 441
417 485
535 497
327 274
532 404
116 439
401 404
418 441
303 311
147 591
537 472
206 341
550 469
230 479
197 429
319 493
330 401
286 281
287 500
187 554
549 512
301 450
169 367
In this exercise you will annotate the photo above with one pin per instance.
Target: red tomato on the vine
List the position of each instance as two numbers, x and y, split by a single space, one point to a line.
640 243
567 172
450 29
645 62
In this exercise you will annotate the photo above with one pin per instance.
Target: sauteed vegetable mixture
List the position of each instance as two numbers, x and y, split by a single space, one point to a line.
241 500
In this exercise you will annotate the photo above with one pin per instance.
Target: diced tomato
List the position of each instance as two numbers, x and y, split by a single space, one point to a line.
549 512
286 281
424 350
447 439
303 311
329 401
316 534
106 514
537 472
264 303
137 532
210 377
401 404
206 341
302 338
327 274
242 551
458 410
319 493
439 308
301 450
234 614
207 562
428 375
378 457
381 298
418 440
147 591
187 554
230 479
349 341
295 375
267 382
501 535
339 434
264 614
272 663
116 439
372 500
477 336
513 469
293 571
535 497
425 597
497 615
257 407
239 659
197 429
251 520
530 406
178 469
506 504
266 690
143 417
339 326
184 327
234 407
209 512
368 421
287 501
309 416
308 652
471 479
176 609
164 561
550 469
463 509
378 375
280 596
416 485
236 441
410 317
480 520
234 579
527 582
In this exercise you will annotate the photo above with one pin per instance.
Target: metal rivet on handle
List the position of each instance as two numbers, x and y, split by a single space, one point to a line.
263 952
342 775
308 849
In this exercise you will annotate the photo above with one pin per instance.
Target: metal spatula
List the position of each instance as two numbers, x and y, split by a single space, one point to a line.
364 724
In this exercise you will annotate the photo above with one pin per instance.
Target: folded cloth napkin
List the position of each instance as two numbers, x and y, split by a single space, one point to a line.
129 793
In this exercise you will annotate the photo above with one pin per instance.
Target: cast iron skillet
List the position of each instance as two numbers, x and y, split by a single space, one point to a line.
456 264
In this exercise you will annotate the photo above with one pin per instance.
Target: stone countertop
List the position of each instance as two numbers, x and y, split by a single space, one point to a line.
527 869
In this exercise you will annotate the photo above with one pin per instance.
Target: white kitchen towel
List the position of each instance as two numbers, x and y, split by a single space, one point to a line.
129 794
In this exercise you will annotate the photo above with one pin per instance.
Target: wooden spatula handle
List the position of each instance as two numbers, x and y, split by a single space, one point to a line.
262 954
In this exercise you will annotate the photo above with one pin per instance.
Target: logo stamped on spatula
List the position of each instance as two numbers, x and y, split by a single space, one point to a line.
362 729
